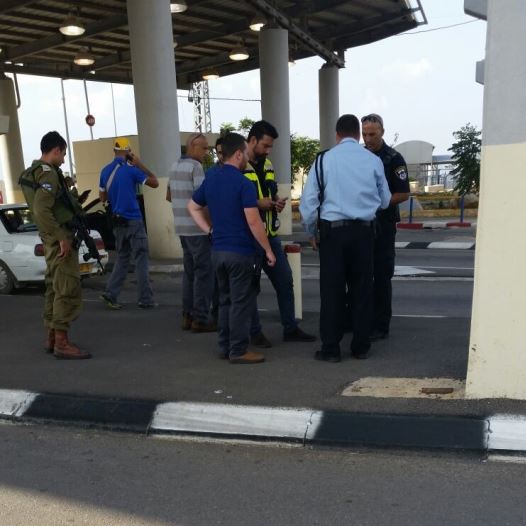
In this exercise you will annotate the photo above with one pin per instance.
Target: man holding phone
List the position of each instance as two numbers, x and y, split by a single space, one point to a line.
118 183
260 172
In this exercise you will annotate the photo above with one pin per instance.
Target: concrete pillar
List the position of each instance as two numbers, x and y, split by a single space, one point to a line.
11 155
275 108
497 366
155 88
329 94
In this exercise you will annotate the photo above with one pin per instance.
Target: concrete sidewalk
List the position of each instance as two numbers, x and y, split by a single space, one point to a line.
148 375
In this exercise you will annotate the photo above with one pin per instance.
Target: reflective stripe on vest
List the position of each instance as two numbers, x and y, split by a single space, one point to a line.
269 217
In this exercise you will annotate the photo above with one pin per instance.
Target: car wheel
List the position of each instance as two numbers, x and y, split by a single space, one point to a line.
7 283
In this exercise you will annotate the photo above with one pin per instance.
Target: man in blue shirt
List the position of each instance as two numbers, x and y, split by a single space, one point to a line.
231 201
118 183
347 184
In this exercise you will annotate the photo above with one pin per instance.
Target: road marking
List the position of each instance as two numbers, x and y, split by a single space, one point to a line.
418 316
508 459
451 245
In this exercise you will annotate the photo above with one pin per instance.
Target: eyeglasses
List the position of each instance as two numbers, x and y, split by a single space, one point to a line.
373 117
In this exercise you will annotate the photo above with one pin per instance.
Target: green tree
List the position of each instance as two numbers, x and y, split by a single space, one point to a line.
245 124
226 127
303 151
466 159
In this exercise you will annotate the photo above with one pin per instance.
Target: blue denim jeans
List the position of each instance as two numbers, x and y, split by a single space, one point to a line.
280 276
131 240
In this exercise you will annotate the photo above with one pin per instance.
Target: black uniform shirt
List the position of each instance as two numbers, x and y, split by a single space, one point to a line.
397 179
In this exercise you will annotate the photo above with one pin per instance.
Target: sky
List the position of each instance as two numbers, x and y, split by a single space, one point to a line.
422 82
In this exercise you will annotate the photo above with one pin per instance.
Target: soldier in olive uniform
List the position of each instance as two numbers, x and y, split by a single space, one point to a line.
53 209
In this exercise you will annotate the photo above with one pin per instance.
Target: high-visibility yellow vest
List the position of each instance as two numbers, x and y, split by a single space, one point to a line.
269 217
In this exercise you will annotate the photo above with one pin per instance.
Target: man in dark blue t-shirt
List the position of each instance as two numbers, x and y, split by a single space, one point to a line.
118 184
232 205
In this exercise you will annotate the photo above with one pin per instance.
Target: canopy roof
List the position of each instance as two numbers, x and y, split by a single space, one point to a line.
205 33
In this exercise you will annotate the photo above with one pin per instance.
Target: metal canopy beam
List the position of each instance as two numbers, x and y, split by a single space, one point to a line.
58 39
7 5
300 34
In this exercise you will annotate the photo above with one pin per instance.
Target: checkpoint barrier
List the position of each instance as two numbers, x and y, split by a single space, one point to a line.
293 252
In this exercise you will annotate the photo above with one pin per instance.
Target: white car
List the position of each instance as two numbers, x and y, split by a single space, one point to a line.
22 253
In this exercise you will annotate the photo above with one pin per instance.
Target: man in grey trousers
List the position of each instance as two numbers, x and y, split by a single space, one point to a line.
198 279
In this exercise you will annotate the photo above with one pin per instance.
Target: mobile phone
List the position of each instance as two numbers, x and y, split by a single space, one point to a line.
129 157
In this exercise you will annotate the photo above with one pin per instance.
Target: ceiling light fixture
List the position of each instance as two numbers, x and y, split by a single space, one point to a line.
178 7
210 74
84 57
239 53
258 22
72 26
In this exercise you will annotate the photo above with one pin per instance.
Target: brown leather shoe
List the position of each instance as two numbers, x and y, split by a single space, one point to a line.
248 358
260 340
198 326
186 324
50 341
64 350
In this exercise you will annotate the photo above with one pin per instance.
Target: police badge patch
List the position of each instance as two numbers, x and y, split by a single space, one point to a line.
401 173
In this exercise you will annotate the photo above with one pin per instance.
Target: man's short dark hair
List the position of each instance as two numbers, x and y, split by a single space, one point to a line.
261 128
219 141
232 142
348 126
52 140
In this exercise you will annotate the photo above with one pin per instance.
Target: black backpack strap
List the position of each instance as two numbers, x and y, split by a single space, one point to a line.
318 168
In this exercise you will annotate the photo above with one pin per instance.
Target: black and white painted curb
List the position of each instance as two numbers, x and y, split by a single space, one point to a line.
443 245
499 432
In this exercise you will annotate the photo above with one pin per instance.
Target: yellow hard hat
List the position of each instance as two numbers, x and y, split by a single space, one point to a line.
122 143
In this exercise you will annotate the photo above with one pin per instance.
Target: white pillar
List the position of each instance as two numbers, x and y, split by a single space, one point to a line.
155 88
497 363
11 155
275 108
328 79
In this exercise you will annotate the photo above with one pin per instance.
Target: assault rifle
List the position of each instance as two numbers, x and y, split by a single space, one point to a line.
82 233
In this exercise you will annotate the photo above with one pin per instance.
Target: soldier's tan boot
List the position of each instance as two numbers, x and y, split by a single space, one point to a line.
50 341
65 350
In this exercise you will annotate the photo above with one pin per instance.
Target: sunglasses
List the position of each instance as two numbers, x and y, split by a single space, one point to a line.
373 117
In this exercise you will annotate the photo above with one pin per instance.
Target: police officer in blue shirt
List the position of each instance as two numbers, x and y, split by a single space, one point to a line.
118 183
384 246
344 189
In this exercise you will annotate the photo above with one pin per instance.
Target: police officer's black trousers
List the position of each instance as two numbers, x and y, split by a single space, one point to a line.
346 256
384 266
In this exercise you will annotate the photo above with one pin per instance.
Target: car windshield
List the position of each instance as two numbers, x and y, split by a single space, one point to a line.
17 220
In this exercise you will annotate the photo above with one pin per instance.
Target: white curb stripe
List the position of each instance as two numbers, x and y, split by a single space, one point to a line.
235 420
15 403
451 244
401 244
507 432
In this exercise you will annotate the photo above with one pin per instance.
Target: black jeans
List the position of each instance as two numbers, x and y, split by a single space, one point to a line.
384 266
235 279
346 257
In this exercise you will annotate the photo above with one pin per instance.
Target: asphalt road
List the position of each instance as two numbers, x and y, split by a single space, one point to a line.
54 476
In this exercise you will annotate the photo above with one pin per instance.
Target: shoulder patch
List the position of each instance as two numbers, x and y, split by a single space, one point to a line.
401 173
47 187
46 168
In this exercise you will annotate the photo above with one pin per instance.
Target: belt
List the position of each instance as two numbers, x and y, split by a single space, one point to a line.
348 222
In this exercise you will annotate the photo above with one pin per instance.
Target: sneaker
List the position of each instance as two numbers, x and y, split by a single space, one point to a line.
147 305
378 334
260 340
198 327
111 304
297 335
326 357
248 358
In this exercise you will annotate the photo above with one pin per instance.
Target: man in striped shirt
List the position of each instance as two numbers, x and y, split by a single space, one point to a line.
186 176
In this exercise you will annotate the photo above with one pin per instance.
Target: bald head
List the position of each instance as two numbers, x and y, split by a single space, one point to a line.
197 146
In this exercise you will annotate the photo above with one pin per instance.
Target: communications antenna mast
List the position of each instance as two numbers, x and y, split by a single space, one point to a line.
201 98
